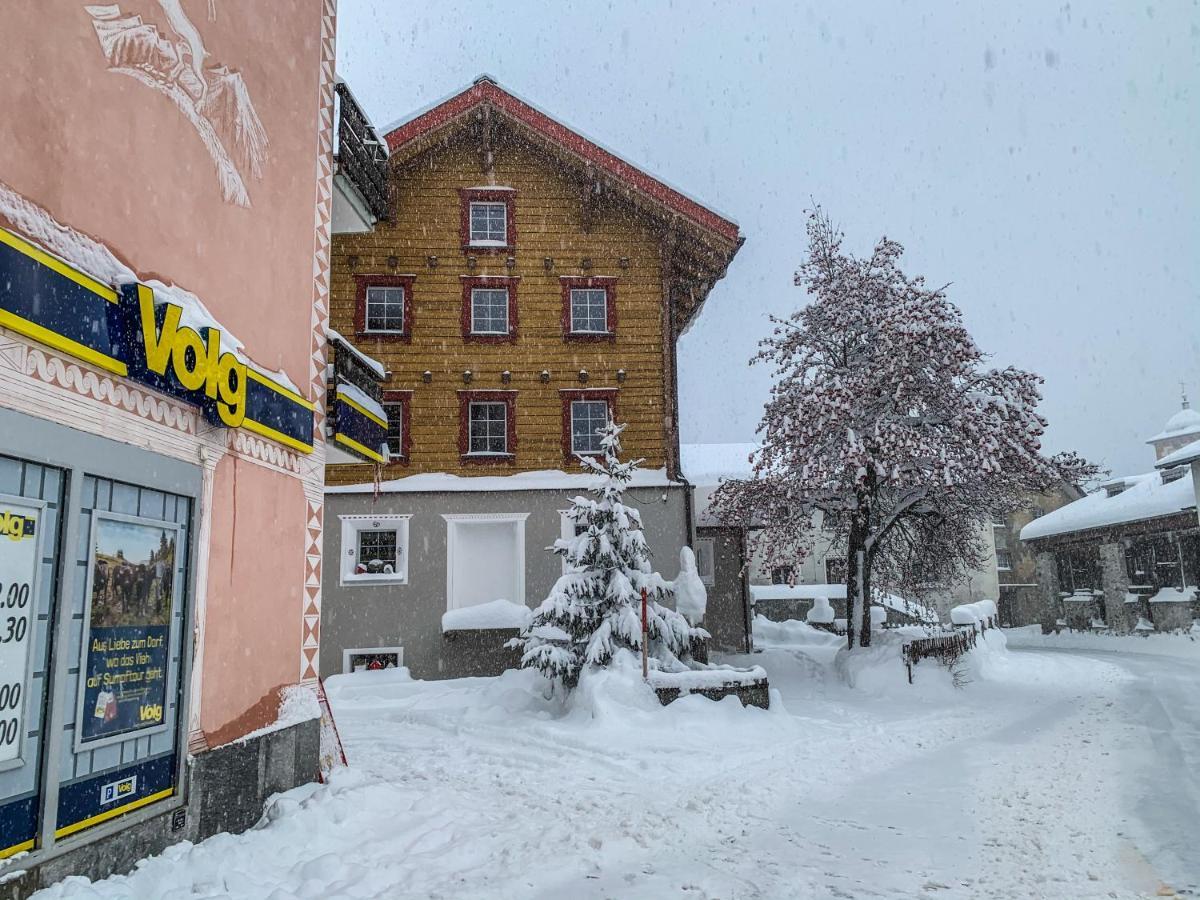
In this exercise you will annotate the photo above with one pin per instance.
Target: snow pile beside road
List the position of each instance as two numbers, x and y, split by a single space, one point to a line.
1184 646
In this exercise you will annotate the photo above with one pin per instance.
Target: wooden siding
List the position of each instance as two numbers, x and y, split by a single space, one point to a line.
549 223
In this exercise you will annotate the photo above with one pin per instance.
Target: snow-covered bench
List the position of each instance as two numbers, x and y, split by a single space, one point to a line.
715 683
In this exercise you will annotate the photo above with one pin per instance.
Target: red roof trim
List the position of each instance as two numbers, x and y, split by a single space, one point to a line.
487 91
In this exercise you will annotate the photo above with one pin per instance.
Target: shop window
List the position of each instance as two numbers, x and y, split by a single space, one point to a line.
374 549
487 428
704 549
1078 569
383 306
488 224
589 308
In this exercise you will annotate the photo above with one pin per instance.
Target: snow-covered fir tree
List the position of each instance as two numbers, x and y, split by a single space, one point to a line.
885 429
594 609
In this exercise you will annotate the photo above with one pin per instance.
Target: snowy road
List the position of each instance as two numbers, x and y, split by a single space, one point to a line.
1059 774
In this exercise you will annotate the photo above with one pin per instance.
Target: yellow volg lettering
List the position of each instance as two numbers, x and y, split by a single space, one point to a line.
158 343
213 364
231 382
188 359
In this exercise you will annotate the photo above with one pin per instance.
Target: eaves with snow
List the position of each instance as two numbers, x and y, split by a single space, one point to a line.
1119 501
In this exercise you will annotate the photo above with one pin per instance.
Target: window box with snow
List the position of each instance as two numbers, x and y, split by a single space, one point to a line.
585 414
383 307
487 426
589 308
374 549
489 311
488 224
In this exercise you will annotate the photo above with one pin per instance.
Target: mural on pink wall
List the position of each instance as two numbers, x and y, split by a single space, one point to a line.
213 97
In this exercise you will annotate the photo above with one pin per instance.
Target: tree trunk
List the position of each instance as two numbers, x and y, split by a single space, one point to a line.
864 636
855 569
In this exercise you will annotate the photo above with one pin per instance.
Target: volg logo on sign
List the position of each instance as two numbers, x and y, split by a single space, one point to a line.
118 790
15 526
183 361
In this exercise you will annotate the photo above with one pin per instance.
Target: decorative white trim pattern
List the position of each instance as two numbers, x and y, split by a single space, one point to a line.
314 481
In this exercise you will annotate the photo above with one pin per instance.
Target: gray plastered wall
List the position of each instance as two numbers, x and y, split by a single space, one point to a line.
410 615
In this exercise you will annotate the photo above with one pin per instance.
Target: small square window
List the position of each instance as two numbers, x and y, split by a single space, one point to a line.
374 549
376 553
835 570
1003 559
395 430
589 311
489 310
489 224
385 309
488 428
588 419
782 575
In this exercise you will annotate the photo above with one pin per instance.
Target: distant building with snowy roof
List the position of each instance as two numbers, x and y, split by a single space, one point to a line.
1126 557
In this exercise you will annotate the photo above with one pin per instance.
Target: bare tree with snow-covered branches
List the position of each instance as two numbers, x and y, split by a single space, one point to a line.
885 428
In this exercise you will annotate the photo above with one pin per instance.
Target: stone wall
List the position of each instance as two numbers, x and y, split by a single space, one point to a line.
1115 578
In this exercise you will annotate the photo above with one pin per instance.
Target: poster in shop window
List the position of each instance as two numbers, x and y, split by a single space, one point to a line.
21 526
128 618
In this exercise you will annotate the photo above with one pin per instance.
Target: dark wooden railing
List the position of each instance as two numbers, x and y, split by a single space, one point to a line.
945 648
361 153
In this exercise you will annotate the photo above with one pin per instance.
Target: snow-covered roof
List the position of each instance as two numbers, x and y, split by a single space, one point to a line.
543 480
1144 497
1184 422
1185 454
708 464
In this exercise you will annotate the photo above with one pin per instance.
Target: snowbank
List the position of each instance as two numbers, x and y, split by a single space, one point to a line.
496 614
981 612
543 480
1174 595
691 597
711 677
1147 642
821 612
797 592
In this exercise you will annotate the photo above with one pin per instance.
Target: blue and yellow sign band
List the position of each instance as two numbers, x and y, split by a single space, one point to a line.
357 428
127 332
55 304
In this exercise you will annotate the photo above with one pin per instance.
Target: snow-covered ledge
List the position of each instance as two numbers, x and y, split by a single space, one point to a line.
498 614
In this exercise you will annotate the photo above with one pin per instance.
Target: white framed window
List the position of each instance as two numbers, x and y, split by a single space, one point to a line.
589 310
704 549
489 310
374 549
487 428
485 558
489 223
588 419
385 309
1003 559
357 659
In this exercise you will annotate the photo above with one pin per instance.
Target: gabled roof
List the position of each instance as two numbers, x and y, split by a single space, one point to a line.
485 91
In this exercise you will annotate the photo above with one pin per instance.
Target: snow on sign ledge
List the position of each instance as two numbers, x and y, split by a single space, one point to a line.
702 679
494 615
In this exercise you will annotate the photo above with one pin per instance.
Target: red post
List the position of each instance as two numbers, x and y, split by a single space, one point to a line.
645 642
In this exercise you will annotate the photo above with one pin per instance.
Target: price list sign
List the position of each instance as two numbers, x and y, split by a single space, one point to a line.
20 559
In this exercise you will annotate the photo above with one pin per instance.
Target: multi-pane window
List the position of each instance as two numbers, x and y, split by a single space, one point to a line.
782 575
385 309
489 310
588 419
1078 569
1003 559
589 310
395 430
377 552
488 428
835 570
489 223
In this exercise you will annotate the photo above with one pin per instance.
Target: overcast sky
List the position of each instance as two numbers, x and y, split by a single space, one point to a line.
1045 159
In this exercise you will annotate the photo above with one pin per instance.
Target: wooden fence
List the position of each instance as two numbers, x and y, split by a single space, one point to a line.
946 649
